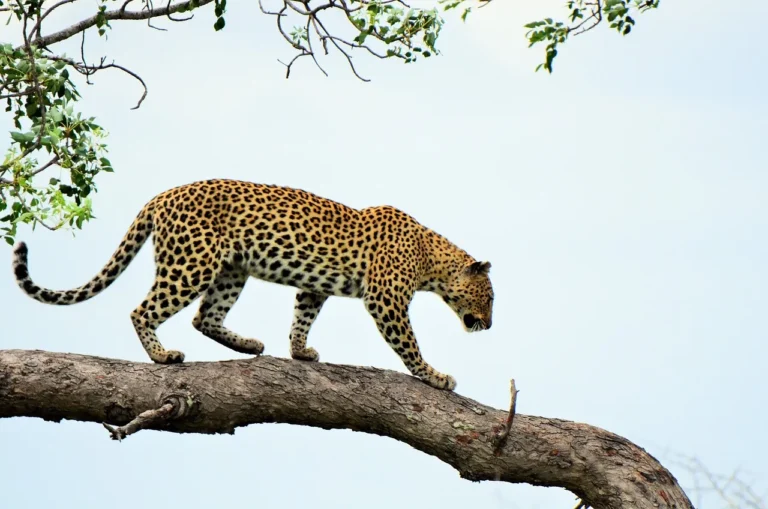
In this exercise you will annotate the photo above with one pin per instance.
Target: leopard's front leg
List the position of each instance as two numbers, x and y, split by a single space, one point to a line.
390 311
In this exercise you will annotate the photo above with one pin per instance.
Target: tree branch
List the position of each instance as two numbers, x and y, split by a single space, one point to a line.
604 470
115 14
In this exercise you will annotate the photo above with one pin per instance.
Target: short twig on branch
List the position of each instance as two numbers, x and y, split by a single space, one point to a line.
143 420
501 438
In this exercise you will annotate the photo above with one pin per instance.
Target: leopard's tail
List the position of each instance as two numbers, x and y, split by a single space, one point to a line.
134 238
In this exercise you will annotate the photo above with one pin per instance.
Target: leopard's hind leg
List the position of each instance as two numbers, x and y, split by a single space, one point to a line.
164 300
181 275
216 303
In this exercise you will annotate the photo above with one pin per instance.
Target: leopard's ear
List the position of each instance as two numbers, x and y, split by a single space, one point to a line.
479 268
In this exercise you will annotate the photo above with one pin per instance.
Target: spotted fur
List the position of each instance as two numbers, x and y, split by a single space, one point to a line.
210 237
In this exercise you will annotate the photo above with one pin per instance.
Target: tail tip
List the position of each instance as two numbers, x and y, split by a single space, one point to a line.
21 250
20 262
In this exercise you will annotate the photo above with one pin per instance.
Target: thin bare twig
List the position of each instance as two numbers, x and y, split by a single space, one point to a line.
289 64
82 56
311 51
16 94
271 13
131 73
149 5
36 28
596 15
314 11
47 165
122 8
733 490
355 45
343 52
178 20
91 69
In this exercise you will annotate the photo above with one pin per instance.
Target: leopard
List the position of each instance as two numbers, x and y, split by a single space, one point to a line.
211 236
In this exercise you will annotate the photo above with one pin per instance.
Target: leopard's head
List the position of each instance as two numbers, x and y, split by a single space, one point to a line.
470 294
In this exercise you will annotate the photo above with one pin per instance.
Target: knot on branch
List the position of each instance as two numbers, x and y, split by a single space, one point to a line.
183 405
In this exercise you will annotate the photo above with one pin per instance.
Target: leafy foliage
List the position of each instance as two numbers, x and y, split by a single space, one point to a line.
40 96
400 29
584 16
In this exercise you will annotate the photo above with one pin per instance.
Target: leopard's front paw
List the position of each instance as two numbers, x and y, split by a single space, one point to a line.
253 347
169 357
440 381
306 354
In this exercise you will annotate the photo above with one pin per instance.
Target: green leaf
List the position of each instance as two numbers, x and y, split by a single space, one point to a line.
22 137
219 24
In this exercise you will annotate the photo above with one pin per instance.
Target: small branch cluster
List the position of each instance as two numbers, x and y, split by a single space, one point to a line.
584 16
400 31
732 489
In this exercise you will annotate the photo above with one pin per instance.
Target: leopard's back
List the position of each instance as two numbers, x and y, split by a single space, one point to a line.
278 234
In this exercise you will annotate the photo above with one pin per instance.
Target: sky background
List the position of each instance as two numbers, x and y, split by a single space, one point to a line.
623 203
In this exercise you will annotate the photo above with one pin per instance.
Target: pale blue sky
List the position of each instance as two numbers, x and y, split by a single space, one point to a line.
623 202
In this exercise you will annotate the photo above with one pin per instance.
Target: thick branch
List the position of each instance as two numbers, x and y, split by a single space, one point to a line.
606 471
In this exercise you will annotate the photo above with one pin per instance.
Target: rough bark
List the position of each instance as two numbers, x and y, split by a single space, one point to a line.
605 470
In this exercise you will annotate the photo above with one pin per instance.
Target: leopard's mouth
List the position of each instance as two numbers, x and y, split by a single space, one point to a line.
474 323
